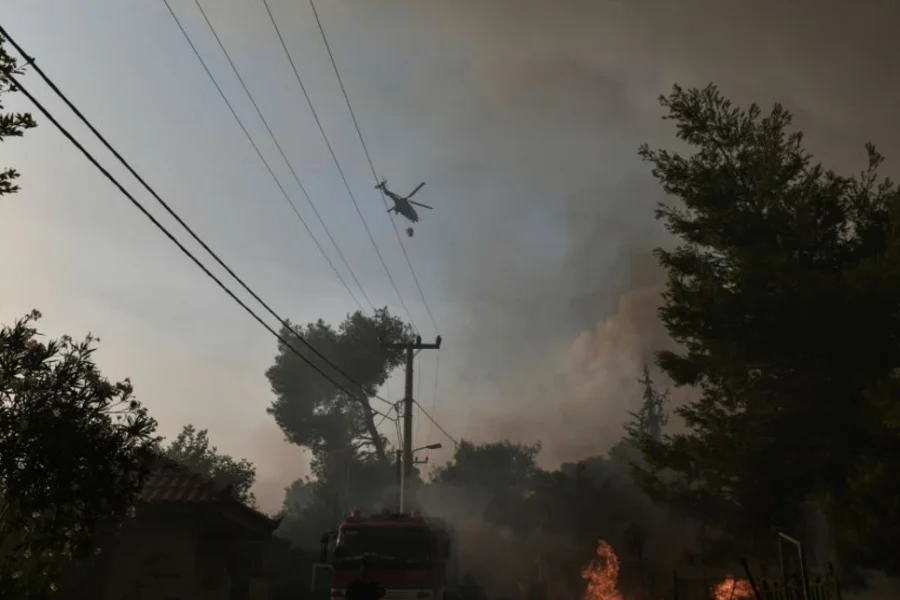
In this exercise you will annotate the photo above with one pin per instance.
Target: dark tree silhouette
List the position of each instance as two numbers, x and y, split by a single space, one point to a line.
650 419
11 124
192 449
75 447
351 463
502 465
783 295
312 411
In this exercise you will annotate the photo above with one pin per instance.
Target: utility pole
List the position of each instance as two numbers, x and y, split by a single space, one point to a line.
411 349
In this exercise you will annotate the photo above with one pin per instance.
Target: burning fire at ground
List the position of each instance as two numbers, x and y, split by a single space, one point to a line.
732 589
602 575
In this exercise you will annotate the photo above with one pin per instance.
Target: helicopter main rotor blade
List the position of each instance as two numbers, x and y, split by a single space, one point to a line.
413 193
422 205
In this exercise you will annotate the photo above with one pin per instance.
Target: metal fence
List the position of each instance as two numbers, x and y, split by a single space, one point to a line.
702 584
790 579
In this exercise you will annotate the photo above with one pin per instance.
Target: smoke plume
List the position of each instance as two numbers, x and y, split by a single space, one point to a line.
553 275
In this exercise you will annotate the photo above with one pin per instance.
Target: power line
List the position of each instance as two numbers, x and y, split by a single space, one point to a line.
259 153
137 204
169 210
335 159
436 424
283 154
280 150
371 164
383 417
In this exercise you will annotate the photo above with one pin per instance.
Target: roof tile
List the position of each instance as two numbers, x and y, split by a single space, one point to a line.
170 482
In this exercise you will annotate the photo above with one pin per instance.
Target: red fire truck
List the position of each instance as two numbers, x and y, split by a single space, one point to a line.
411 556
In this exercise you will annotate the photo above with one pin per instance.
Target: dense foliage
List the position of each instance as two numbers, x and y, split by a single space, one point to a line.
192 449
782 292
75 449
316 414
11 124
352 464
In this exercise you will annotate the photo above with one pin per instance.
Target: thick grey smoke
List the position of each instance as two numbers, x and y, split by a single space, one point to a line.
545 226
524 116
553 276
498 559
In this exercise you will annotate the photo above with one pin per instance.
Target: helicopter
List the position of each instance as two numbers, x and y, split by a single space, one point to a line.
403 204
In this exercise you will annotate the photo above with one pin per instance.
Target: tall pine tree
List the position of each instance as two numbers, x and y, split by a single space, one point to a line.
652 417
783 294
647 422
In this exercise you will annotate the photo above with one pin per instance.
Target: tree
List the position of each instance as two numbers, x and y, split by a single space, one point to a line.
648 421
192 449
493 465
295 508
316 414
500 473
298 496
351 462
11 124
782 295
75 447
651 418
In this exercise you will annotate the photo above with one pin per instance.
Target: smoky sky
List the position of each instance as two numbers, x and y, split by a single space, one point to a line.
554 281
523 117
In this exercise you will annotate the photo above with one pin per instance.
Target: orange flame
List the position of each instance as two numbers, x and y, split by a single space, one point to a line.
733 589
602 575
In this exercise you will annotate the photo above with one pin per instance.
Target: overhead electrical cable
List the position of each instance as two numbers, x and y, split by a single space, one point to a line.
335 159
371 164
259 153
180 221
393 408
19 87
436 424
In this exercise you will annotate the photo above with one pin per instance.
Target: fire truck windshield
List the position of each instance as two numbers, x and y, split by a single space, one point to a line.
383 546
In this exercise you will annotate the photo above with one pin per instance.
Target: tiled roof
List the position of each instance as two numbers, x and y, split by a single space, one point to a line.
170 482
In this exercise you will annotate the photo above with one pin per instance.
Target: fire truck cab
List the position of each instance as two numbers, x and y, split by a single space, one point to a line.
411 556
